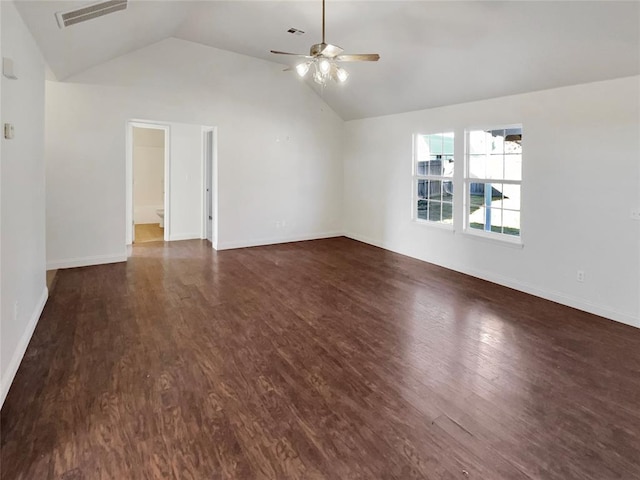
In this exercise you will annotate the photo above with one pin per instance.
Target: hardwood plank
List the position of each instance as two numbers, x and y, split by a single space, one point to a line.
326 359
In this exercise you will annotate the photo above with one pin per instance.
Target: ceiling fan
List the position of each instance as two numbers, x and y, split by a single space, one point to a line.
324 58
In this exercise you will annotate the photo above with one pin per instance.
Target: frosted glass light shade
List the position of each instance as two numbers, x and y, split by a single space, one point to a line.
324 66
342 74
302 69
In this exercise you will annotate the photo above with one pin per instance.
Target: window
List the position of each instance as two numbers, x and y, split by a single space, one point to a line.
433 178
493 177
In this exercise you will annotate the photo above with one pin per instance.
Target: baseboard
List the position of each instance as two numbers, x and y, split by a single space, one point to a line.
569 301
370 241
274 241
185 236
86 261
21 348
573 302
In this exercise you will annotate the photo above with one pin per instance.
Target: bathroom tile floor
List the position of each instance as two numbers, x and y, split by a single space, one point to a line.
149 232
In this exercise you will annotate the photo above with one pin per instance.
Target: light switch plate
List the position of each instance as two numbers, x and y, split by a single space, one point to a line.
7 68
8 131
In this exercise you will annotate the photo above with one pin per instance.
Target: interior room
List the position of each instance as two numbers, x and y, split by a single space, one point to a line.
307 239
148 184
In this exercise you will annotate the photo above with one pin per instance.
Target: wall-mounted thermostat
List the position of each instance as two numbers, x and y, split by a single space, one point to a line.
8 131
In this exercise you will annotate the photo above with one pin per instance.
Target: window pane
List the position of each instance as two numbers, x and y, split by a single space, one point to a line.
476 217
495 166
447 213
496 141
422 188
477 166
511 197
513 140
478 140
511 222
441 143
494 219
421 209
447 191
435 165
513 166
447 165
476 194
434 192
497 195
435 211
434 154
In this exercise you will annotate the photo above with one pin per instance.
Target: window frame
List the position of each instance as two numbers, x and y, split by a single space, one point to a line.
467 181
415 178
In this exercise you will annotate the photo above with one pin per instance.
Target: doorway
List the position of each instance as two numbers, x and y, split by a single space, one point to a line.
208 154
148 183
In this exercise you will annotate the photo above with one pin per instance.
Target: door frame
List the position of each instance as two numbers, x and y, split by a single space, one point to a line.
129 230
210 172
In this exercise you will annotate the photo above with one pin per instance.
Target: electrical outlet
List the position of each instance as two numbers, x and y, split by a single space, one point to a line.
580 276
284 223
635 214
278 224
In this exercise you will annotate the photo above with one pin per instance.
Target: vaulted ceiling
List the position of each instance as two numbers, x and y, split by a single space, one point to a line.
433 53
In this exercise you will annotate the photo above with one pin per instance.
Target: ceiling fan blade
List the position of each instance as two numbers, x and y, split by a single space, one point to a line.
331 51
292 54
358 57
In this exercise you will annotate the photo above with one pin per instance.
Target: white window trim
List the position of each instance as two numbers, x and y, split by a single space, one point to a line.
493 237
414 189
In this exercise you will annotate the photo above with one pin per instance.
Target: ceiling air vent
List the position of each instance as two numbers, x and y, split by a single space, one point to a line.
66 19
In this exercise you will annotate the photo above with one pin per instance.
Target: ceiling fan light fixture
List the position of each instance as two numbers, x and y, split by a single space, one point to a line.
324 66
341 74
319 78
324 58
302 68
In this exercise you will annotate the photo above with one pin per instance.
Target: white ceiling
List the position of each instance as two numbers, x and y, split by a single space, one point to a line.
433 53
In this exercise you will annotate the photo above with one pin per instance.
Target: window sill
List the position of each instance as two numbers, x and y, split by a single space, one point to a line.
505 241
446 227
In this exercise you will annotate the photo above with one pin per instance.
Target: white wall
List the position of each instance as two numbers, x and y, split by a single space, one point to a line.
22 242
581 180
186 182
148 174
279 147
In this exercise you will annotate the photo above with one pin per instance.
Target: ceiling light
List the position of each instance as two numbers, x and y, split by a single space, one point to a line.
342 74
324 66
324 69
302 69
324 58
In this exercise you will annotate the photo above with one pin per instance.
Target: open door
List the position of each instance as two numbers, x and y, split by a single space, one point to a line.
208 175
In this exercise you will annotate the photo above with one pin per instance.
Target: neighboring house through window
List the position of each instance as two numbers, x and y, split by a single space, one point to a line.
433 178
493 177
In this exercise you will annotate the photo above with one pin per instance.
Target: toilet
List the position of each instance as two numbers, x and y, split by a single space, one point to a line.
160 213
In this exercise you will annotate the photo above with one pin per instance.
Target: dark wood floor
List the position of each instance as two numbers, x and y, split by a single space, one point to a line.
326 359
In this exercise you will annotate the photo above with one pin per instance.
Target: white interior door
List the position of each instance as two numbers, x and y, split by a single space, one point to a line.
208 140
